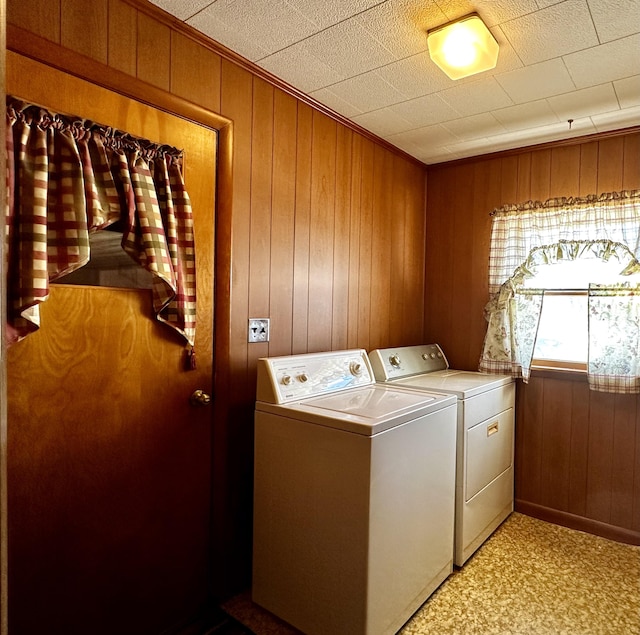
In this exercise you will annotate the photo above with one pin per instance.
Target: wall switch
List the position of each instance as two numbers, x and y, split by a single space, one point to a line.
258 330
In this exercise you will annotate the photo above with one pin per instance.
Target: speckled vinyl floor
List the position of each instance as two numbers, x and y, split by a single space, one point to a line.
529 578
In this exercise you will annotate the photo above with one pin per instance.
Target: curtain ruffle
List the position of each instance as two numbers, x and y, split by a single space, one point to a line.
68 177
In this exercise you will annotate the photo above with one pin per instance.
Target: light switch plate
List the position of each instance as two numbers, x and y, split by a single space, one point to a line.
258 330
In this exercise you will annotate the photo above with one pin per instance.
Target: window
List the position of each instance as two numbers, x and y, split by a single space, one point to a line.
564 279
563 329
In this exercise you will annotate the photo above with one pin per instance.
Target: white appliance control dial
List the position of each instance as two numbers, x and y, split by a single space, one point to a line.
286 379
424 358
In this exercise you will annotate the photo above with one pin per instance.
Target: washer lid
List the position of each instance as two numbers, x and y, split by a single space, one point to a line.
367 410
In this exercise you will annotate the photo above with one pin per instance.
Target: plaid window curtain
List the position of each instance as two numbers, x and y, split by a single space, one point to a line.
67 177
525 236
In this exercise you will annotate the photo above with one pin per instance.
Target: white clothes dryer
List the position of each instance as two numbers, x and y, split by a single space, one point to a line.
354 490
485 439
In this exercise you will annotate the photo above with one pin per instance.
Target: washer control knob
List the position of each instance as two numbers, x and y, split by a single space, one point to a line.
355 368
432 355
394 360
425 356
303 377
286 380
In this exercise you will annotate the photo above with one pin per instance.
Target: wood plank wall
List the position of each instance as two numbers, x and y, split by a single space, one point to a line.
577 451
326 234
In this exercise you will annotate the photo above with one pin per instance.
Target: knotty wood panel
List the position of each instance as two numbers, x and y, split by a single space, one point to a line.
577 457
307 192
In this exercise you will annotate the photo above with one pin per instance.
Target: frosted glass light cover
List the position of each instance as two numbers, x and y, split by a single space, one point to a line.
463 47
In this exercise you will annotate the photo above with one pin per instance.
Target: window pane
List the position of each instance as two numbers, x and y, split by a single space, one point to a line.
563 329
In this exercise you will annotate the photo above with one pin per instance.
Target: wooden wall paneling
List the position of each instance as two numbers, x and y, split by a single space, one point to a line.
635 521
283 200
524 179
556 441
122 44
509 179
41 17
438 263
236 100
415 188
541 175
623 467
154 52
490 182
321 232
610 164
631 162
460 247
600 456
302 227
341 239
565 171
365 269
529 443
83 28
579 448
195 73
260 224
381 258
354 242
399 292
589 168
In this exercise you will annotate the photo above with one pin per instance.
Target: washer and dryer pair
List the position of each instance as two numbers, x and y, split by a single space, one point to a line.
355 490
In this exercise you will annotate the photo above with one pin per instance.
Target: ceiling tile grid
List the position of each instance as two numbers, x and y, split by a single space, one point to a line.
367 60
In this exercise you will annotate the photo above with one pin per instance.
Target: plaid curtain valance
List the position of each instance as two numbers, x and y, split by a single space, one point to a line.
67 177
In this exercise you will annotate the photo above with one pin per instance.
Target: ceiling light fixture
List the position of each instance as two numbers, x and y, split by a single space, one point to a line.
463 47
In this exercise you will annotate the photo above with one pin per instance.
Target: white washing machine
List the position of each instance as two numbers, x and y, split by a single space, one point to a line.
354 493
486 422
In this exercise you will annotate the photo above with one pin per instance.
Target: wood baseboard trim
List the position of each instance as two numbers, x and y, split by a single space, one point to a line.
588 525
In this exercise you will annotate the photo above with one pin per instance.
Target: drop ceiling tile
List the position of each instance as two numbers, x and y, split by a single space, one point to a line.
429 136
240 25
606 63
585 102
617 120
425 111
493 12
528 115
474 127
628 91
348 48
367 92
184 9
473 98
231 38
544 35
383 122
327 97
401 25
300 68
415 76
536 82
325 13
615 18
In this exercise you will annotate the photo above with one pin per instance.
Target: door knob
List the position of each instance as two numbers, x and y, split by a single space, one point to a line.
199 398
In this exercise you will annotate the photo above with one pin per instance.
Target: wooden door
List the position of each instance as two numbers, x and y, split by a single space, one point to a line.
108 464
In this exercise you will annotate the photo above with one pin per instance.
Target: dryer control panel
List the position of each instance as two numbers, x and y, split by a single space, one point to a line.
404 361
285 379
